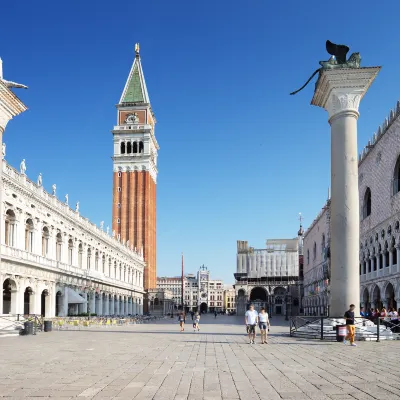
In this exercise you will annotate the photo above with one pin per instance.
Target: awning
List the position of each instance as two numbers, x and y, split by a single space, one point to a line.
74 298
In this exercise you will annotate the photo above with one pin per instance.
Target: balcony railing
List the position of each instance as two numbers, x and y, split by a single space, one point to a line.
41 262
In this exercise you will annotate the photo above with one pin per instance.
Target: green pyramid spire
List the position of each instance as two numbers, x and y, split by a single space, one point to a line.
135 90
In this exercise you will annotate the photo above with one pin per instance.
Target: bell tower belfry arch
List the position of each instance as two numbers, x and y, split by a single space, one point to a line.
135 171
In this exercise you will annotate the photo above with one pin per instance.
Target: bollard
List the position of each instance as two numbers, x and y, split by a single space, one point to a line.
378 325
322 328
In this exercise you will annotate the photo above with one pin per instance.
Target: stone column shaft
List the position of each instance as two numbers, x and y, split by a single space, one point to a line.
339 91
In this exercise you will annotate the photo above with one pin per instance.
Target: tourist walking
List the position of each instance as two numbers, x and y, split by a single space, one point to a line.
215 314
350 325
263 324
181 320
251 319
196 322
192 314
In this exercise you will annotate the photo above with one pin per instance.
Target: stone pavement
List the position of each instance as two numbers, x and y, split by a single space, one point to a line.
156 361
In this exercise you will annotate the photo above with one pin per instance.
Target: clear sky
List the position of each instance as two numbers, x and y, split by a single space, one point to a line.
239 157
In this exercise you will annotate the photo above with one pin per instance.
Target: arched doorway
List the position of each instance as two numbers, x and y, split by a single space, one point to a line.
9 297
203 308
376 296
58 303
45 298
241 302
279 297
366 303
389 296
258 297
28 301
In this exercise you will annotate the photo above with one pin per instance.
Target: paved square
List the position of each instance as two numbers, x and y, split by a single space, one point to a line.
156 361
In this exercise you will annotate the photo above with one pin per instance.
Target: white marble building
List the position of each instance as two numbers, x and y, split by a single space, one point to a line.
54 262
52 257
379 187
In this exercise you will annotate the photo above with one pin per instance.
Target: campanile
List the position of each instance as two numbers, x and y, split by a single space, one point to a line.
135 171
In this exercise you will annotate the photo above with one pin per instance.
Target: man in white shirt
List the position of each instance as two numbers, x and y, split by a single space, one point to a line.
251 319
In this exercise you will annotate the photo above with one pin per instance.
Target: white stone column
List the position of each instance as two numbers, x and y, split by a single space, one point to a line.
111 306
339 91
64 302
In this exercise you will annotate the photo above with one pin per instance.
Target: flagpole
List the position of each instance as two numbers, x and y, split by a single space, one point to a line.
183 308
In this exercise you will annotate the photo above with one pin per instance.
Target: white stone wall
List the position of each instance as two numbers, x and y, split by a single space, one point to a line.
110 271
315 243
379 232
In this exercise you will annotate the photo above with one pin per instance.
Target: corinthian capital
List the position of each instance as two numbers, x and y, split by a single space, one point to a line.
339 102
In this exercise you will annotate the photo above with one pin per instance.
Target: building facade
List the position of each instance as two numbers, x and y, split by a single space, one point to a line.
54 262
135 171
201 293
57 263
317 264
268 277
229 299
378 181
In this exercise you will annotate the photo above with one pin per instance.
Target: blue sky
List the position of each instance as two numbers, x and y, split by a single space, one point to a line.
239 157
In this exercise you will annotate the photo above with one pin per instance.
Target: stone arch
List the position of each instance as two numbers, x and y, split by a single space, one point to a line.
389 295
376 296
29 300
258 293
10 289
396 176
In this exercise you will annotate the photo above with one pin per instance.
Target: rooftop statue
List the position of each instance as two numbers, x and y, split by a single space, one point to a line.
338 60
10 84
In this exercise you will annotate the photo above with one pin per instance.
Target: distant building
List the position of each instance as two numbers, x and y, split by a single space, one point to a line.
268 277
200 292
229 298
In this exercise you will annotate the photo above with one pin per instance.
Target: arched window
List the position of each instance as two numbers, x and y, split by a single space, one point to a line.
134 147
29 235
89 256
394 252
115 270
308 257
141 147
396 177
58 246
45 241
124 274
109 267
367 203
323 245
129 148
123 148
315 251
80 255
96 261
10 228
70 251
103 262
120 272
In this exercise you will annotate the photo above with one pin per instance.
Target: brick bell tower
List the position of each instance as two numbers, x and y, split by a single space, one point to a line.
135 171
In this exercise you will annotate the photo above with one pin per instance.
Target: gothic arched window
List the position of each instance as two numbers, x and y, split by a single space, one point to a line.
129 148
141 147
367 203
396 177
123 148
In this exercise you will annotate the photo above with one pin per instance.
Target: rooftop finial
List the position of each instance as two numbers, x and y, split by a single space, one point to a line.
137 49
301 230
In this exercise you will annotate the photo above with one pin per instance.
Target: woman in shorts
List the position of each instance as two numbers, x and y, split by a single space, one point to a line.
196 322
181 320
263 324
